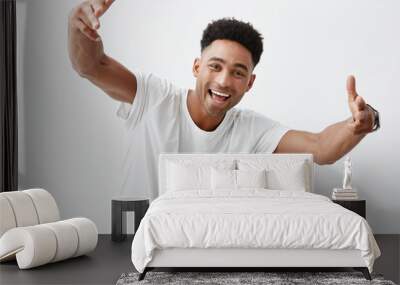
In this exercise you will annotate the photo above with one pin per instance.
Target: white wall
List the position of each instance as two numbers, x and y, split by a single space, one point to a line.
72 144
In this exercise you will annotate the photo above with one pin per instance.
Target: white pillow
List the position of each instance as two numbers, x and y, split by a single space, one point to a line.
192 175
223 179
237 179
292 178
181 177
281 175
251 178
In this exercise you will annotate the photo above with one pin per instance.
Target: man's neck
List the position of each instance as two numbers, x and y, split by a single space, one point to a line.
199 115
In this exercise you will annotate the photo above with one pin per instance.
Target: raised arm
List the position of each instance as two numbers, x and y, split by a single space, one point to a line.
336 140
87 54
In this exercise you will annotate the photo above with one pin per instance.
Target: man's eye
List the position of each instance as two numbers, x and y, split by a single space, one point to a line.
213 66
238 73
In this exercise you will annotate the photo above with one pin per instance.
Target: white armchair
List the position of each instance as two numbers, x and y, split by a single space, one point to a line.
32 233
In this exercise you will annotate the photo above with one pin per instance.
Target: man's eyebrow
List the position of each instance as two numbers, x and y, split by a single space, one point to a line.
240 65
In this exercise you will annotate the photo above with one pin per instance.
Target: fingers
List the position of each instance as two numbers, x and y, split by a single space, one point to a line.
85 20
351 88
88 17
363 119
360 103
357 105
359 110
356 102
85 17
109 2
100 7
361 127
361 116
88 32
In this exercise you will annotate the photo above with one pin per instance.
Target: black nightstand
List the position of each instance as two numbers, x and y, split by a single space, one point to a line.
119 207
357 206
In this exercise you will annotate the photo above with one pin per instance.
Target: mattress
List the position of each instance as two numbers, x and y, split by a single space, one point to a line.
250 219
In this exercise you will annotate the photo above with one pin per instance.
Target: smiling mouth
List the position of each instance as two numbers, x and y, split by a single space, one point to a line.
218 96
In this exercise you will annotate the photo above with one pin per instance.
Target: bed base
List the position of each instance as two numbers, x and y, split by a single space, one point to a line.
251 259
364 270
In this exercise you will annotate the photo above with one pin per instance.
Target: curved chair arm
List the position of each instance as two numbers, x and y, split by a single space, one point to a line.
40 244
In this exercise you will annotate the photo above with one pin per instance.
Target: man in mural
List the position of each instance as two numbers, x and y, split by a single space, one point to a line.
167 118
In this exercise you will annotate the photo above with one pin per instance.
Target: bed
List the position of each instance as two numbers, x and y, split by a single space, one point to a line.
247 211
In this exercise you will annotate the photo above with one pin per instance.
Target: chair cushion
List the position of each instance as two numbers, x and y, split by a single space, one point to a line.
23 208
45 205
27 208
7 215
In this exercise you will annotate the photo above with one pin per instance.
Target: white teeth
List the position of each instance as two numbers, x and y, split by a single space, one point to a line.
220 94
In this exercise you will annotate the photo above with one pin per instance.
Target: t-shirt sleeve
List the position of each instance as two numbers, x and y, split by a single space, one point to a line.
272 134
150 91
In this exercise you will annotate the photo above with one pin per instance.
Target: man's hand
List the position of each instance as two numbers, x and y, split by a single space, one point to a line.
362 120
87 54
335 140
85 17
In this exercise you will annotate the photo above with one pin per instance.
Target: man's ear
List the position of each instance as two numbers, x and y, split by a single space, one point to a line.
196 67
251 82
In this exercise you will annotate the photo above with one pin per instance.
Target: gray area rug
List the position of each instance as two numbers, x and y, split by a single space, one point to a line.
229 278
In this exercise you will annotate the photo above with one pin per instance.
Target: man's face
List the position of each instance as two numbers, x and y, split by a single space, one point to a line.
224 74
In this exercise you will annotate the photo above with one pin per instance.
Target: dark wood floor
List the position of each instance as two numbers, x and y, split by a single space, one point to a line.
102 266
110 260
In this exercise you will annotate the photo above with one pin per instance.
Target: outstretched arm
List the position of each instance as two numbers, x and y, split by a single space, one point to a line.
87 54
336 140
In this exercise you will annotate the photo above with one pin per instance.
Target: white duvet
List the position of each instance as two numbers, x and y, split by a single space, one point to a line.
251 218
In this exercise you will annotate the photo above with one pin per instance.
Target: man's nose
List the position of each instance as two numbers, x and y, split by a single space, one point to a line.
223 79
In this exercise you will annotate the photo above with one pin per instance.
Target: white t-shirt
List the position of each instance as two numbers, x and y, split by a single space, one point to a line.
158 121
